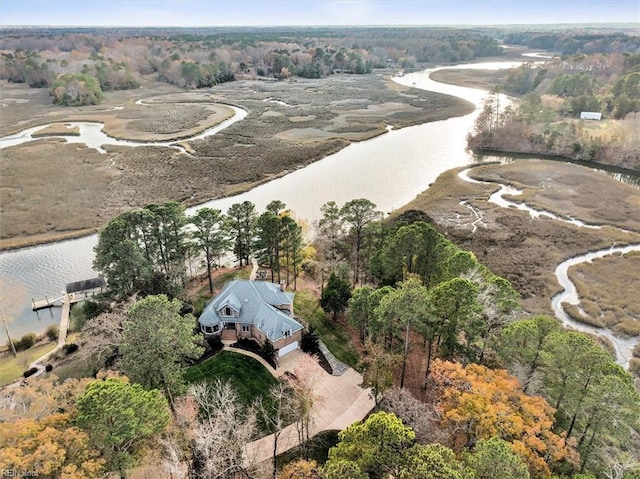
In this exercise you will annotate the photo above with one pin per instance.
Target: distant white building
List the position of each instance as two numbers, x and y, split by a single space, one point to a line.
590 115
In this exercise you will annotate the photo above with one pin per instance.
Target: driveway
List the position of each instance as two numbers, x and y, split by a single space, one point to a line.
340 402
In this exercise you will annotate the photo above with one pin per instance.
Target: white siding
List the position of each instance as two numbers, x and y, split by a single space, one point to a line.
590 115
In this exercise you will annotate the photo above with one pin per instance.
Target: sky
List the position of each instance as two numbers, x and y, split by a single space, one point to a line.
209 13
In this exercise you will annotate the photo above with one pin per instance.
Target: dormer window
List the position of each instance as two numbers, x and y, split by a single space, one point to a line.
228 311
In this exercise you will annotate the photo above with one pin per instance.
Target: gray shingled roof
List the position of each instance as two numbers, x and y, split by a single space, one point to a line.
256 301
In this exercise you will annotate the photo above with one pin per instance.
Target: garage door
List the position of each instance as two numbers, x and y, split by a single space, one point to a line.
288 348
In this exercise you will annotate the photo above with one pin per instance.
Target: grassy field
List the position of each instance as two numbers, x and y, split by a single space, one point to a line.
12 368
249 378
339 343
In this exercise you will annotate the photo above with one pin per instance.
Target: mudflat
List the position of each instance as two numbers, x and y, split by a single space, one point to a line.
50 189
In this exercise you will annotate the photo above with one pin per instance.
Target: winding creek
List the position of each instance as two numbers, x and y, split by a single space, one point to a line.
390 170
92 135
623 346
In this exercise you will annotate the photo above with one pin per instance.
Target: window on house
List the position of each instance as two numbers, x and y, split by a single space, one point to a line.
216 328
227 311
287 334
246 328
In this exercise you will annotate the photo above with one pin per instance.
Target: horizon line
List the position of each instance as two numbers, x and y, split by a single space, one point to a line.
327 25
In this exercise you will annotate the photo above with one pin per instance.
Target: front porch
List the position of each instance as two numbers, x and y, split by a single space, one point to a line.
229 336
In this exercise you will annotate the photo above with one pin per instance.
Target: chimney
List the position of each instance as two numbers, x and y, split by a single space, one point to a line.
282 286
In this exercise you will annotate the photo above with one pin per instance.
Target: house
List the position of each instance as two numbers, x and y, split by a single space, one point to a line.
590 115
254 309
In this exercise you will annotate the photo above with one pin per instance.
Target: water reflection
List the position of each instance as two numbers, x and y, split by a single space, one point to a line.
623 175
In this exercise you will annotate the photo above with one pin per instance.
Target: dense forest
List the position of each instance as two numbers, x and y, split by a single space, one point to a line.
498 393
79 65
570 43
553 95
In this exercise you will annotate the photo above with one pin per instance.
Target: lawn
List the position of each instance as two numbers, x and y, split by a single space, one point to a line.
307 307
249 378
12 368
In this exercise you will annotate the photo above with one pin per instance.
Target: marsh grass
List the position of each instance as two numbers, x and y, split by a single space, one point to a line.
77 189
57 129
608 290
483 79
576 314
524 250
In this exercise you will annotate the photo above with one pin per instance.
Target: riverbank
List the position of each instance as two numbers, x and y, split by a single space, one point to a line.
524 150
481 79
289 125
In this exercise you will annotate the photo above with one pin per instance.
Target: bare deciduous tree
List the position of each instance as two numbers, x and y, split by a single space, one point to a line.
103 335
422 418
277 415
214 429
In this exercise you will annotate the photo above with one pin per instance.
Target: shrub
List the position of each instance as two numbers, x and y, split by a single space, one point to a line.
52 332
25 342
215 343
30 372
48 368
309 343
70 348
91 309
268 352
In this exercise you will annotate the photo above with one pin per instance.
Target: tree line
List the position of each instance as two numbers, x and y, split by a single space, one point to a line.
79 67
554 95
151 249
422 292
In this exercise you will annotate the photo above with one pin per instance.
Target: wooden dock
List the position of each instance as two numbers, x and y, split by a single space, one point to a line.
64 320
57 302
45 303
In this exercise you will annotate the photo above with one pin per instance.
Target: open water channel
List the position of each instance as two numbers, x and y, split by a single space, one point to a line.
390 170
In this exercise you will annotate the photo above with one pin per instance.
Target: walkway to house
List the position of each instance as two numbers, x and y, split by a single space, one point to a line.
65 315
340 402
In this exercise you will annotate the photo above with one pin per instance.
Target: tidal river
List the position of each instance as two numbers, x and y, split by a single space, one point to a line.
390 170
